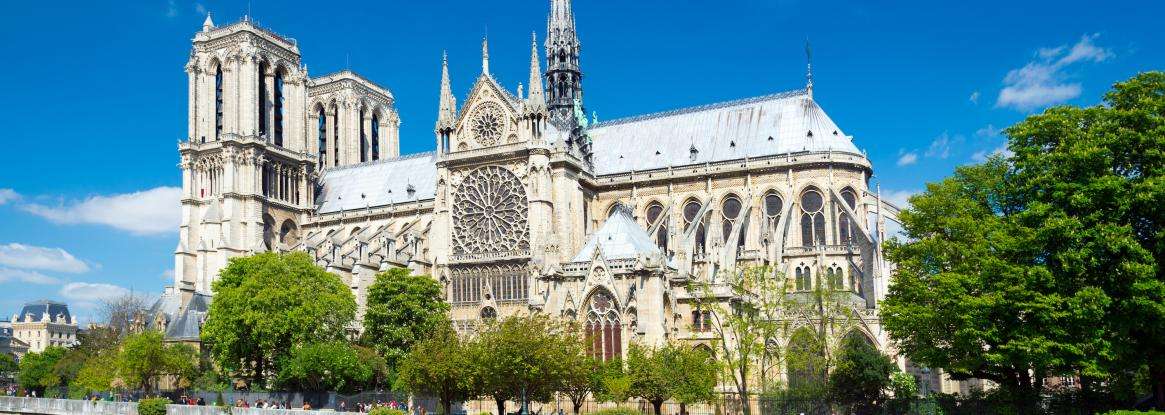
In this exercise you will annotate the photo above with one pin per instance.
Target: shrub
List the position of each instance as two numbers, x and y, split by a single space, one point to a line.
153 406
616 411
382 410
1134 413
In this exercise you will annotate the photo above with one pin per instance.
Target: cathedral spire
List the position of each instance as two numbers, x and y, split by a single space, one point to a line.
563 73
448 106
485 55
808 69
536 101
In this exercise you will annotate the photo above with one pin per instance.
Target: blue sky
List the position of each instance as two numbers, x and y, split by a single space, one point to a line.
94 93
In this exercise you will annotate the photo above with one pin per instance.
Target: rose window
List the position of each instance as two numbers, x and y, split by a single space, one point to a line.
487 124
489 213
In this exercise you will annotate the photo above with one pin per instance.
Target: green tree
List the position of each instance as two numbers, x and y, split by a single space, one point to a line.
402 309
861 376
692 373
334 366
745 331
37 370
649 375
267 304
8 365
582 373
97 373
144 360
1090 182
616 384
971 295
520 358
438 366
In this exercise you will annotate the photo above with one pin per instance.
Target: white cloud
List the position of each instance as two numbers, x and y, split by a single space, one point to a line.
40 258
87 294
8 195
988 131
1042 82
148 212
200 8
25 276
974 98
168 275
982 155
171 8
941 146
906 159
899 197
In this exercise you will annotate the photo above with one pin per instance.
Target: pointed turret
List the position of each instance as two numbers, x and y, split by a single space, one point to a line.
563 73
485 55
537 101
208 23
447 112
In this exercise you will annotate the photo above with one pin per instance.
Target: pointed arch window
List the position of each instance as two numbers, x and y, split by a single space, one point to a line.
654 212
804 278
845 226
262 100
323 136
375 137
277 113
218 103
336 135
363 139
812 218
604 328
691 210
731 210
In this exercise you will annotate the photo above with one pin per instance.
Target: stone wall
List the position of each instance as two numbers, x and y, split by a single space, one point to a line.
40 406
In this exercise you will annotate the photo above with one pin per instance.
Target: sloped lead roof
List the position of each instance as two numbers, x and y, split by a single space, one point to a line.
37 309
787 122
619 237
380 183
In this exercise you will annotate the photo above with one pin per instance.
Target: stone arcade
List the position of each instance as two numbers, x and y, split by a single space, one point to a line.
526 204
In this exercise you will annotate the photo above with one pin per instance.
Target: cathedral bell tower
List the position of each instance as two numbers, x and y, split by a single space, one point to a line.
563 75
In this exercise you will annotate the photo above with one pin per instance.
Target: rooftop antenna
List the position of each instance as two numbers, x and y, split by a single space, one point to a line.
808 68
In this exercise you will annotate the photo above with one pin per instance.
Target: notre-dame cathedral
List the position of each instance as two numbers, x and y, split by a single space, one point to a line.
527 204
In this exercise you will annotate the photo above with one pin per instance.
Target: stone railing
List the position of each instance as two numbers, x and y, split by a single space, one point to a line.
41 406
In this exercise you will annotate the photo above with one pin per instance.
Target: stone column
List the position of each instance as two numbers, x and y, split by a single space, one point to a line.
269 107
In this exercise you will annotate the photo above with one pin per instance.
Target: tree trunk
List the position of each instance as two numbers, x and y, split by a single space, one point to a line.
501 406
683 408
577 403
658 405
1157 380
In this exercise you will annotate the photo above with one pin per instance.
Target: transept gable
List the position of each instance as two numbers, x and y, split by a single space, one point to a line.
488 118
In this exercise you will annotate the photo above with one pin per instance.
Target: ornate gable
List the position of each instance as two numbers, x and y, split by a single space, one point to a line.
489 117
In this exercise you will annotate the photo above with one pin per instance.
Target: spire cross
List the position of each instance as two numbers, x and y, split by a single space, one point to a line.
808 68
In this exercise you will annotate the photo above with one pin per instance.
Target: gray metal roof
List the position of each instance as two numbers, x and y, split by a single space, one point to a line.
36 310
379 183
787 122
182 321
619 237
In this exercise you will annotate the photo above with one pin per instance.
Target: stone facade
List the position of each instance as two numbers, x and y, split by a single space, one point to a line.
41 324
527 204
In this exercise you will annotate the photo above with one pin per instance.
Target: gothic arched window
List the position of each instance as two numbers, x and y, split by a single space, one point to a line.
731 212
604 328
845 226
691 210
218 103
375 137
812 218
323 137
336 135
277 103
363 139
262 101
654 212
804 280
